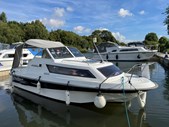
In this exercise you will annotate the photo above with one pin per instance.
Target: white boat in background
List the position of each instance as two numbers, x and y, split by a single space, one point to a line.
113 52
6 60
63 73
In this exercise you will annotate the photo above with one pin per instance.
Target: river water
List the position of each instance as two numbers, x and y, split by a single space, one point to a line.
16 111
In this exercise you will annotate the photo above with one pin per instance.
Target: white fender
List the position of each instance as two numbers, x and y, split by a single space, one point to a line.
142 99
67 93
38 87
100 101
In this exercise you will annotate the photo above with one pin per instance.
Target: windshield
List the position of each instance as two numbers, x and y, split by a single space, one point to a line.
60 52
76 52
111 70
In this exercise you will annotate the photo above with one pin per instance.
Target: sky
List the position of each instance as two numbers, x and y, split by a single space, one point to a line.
128 20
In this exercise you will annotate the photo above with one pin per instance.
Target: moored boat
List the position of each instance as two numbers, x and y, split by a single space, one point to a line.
113 52
6 60
63 73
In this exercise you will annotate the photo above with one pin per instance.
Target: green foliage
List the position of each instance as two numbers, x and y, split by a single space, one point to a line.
151 37
71 39
166 21
151 40
3 17
163 44
10 33
35 30
13 31
103 36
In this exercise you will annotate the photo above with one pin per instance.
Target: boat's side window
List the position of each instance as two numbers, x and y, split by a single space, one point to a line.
8 56
25 55
45 54
111 70
126 50
70 71
60 52
113 50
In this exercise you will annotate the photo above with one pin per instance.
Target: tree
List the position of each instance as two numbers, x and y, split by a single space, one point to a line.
10 33
16 31
3 32
54 36
166 21
151 39
163 44
103 36
35 30
3 17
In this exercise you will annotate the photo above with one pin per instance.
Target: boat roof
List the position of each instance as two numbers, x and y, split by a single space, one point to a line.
44 43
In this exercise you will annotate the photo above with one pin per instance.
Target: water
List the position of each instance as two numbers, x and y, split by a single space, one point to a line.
40 112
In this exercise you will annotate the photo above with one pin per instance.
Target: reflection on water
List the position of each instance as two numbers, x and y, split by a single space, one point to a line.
166 85
47 113
34 111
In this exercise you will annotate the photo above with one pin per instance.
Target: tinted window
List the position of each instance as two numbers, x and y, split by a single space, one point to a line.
126 50
9 56
76 52
102 47
25 55
60 52
70 71
45 54
111 70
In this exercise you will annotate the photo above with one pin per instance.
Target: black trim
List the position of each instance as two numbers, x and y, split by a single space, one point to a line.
47 85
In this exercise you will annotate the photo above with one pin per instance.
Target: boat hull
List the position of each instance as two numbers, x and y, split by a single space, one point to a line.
125 56
76 96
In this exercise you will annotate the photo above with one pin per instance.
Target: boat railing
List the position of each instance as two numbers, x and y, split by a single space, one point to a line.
134 67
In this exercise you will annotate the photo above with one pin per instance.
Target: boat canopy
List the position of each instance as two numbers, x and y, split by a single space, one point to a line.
44 43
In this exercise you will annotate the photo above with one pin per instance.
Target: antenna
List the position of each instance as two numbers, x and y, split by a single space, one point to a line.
94 41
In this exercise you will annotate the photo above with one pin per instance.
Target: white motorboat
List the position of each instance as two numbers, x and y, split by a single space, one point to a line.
114 52
7 56
63 73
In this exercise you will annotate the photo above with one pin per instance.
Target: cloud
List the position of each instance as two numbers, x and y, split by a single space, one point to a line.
81 29
101 29
70 9
56 20
123 13
53 23
142 12
59 12
119 36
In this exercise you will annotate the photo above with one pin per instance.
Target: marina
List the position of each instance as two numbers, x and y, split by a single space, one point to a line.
36 111
84 63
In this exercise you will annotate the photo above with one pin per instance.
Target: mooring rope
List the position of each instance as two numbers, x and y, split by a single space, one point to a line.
125 104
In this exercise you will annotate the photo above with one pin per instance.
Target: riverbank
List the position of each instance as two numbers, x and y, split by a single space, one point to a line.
163 59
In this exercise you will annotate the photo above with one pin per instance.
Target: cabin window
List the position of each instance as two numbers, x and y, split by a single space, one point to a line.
70 71
127 50
76 52
111 70
45 54
25 55
60 52
113 50
8 56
